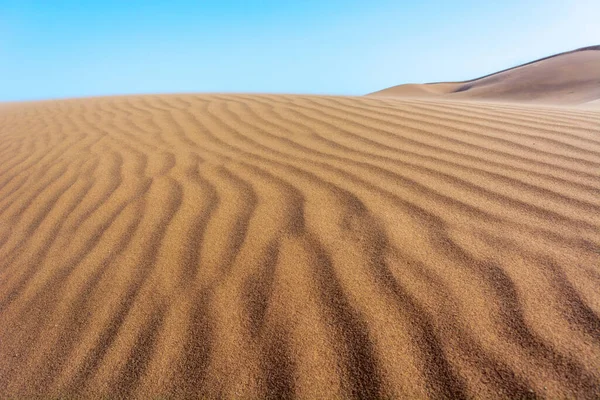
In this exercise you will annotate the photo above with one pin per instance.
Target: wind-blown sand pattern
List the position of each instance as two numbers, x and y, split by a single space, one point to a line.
256 246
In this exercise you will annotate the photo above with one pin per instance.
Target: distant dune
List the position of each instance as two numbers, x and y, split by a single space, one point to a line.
254 246
567 78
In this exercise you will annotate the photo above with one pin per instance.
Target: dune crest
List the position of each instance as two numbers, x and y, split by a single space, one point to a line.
569 78
256 246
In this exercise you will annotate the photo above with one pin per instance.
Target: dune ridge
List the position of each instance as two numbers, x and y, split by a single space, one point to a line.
273 246
569 78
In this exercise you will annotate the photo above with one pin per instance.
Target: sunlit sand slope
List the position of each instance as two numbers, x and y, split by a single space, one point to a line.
232 246
567 78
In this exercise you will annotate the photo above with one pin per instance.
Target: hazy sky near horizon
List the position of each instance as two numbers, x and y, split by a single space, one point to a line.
55 49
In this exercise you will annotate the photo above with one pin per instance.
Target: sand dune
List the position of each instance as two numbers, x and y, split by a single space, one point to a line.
567 78
255 246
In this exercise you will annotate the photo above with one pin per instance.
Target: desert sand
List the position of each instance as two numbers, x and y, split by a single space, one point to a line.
279 246
565 79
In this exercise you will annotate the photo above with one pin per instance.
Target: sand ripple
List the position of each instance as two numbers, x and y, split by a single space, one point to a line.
256 246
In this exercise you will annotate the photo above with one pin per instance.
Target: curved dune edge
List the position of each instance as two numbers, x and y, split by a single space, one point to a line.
255 246
570 78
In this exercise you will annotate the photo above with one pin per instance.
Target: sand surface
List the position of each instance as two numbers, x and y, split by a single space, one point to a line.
255 246
569 78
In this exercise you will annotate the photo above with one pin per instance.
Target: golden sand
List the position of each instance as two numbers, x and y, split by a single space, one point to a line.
569 78
256 246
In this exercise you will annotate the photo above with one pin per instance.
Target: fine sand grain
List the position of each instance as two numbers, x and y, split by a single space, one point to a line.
257 246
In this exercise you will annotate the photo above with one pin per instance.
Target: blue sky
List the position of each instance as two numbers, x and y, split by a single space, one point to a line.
53 48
